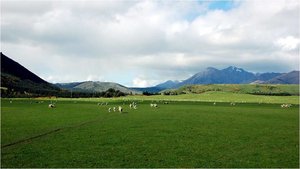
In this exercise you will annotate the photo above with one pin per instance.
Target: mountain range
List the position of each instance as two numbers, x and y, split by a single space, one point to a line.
229 75
234 75
15 76
16 79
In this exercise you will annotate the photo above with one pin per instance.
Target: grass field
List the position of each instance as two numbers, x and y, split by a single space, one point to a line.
264 89
189 132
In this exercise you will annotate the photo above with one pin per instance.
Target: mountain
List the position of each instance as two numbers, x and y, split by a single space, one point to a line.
230 75
15 78
287 78
168 84
234 75
90 86
68 85
266 76
155 89
13 68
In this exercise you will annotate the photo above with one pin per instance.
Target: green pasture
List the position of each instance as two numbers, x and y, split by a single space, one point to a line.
257 89
189 131
221 97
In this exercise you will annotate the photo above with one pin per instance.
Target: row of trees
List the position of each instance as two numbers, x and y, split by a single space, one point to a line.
21 92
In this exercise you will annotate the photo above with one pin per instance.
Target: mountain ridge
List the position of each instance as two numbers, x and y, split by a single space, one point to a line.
235 75
16 76
96 86
17 79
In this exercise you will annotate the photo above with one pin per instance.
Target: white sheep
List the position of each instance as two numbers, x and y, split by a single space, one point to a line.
153 105
114 109
51 105
286 105
109 109
120 109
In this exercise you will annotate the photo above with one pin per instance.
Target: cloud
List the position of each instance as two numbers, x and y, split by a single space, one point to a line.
143 43
288 43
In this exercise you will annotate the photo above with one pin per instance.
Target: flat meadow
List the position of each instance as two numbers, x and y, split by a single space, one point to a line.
184 131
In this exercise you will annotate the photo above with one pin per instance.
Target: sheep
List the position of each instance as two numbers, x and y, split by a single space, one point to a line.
286 105
153 105
120 109
232 104
109 109
114 109
133 105
51 105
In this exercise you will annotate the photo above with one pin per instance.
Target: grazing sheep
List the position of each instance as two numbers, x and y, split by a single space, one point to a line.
286 105
114 109
120 109
153 105
51 105
109 109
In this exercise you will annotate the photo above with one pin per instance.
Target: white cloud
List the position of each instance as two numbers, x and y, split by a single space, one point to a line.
288 43
153 40
143 81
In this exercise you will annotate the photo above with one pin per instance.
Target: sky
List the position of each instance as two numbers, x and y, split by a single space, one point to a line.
143 43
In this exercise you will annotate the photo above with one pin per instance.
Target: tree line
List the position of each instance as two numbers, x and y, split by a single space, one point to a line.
28 93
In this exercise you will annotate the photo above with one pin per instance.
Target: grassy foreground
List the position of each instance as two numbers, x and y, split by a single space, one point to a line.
179 134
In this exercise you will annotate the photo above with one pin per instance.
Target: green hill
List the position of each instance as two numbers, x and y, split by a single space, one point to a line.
91 86
17 81
255 89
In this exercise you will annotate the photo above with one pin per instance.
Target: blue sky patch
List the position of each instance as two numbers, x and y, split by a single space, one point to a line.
221 5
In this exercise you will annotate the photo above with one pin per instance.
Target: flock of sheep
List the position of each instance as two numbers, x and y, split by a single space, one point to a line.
133 105
286 105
